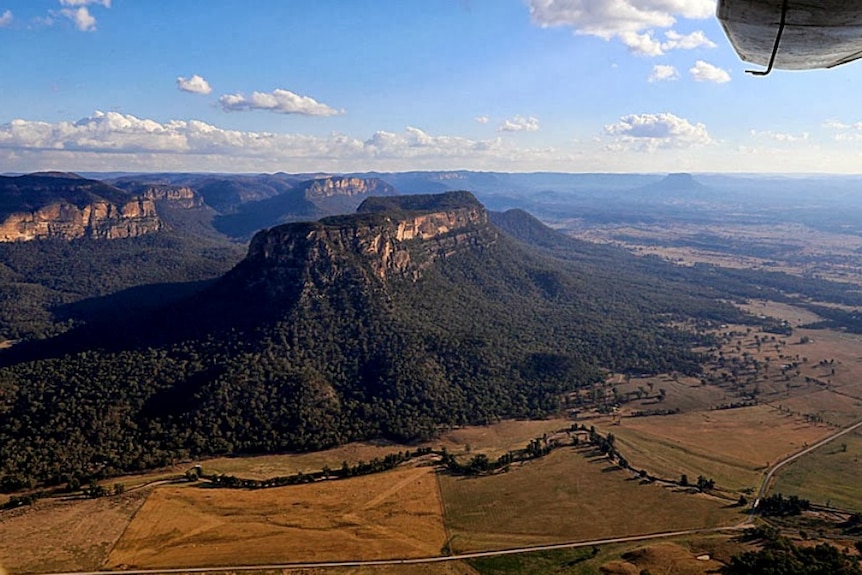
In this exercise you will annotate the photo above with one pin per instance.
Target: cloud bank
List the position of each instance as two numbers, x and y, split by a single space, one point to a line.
124 139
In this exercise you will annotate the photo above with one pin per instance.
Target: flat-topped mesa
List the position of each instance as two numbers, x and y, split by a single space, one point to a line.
99 220
388 237
345 186
175 196
66 206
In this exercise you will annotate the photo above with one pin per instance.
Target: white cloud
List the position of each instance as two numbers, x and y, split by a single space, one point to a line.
844 132
105 3
6 18
783 137
662 73
81 17
704 72
77 12
482 119
649 132
280 101
676 41
194 85
631 21
520 124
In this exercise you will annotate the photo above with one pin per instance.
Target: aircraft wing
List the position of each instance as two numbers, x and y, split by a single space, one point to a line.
815 34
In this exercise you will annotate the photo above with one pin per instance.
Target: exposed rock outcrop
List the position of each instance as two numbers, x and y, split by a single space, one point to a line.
399 239
66 206
174 196
99 220
346 186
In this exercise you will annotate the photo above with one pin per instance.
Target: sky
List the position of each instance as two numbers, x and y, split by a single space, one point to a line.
394 85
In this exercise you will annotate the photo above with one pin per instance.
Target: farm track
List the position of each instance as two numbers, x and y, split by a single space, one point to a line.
767 479
413 561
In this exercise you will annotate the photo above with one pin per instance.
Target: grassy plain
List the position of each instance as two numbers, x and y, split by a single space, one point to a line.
670 557
801 249
828 476
732 446
393 514
57 535
567 497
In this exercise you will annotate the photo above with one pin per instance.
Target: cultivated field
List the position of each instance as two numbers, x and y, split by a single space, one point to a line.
56 535
393 514
567 497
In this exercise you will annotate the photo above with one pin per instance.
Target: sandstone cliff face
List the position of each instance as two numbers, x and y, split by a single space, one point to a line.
346 186
362 247
174 196
98 220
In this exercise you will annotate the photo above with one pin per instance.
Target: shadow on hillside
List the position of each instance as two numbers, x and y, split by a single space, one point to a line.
137 317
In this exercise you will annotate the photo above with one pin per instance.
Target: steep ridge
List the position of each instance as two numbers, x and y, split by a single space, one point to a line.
66 206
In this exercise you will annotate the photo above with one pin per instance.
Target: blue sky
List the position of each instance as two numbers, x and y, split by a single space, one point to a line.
356 85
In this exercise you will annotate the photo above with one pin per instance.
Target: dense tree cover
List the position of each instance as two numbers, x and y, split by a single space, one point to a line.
48 285
779 556
486 333
778 505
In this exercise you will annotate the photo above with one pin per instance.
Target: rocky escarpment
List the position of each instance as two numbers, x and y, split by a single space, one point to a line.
99 220
173 196
346 186
65 206
396 238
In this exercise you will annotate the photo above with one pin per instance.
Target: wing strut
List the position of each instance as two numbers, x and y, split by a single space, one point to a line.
777 43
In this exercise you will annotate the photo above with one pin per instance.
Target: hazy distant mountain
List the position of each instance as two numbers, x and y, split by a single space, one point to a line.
677 188
305 200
